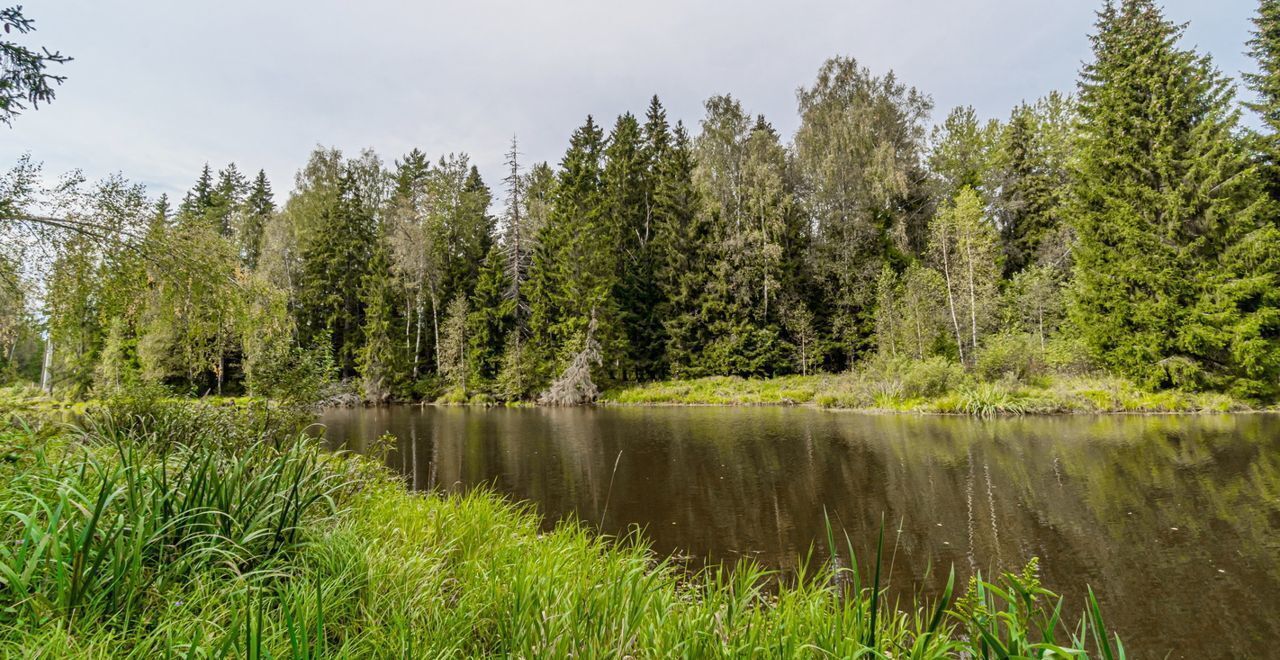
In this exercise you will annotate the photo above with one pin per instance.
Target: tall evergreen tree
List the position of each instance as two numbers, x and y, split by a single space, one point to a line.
228 198
1163 188
1265 83
259 206
197 202
962 154
411 172
626 190
575 265
379 359
1028 182
339 239
683 244
491 317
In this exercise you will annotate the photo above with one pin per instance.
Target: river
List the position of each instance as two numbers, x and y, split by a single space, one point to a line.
1173 520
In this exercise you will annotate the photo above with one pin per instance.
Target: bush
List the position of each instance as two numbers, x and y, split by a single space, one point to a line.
453 397
1011 356
933 377
1067 354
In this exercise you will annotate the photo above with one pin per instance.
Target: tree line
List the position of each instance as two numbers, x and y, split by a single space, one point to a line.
1131 225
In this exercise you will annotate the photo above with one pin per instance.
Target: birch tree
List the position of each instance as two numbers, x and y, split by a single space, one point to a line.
965 248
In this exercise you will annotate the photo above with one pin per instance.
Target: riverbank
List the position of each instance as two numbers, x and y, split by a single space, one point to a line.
163 529
928 389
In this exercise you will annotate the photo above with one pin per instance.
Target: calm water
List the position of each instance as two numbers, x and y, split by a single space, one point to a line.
1174 521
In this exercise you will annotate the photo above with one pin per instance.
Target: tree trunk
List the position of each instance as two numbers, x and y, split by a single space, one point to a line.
973 297
951 303
417 342
435 327
46 376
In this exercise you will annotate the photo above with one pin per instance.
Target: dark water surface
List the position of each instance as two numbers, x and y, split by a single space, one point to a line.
1174 520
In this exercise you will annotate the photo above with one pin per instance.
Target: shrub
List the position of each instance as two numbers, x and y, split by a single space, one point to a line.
1011 356
1066 353
933 377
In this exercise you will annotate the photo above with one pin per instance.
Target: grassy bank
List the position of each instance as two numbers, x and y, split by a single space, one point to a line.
184 530
928 387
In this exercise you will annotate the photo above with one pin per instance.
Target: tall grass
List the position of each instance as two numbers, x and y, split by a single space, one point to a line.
124 542
934 385
97 534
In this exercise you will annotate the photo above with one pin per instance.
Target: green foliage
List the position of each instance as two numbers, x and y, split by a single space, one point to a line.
1163 192
1010 356
859 150
134 539
454 365
1029 179
98 536
334 214
1018 618
574 269
1265 48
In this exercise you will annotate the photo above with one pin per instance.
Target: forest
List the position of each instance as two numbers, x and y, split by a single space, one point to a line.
1129 226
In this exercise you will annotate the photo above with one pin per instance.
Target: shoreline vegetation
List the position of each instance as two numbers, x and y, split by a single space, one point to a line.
930 387
855 392
160 528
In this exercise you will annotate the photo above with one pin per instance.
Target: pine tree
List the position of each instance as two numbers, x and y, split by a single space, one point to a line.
1163 191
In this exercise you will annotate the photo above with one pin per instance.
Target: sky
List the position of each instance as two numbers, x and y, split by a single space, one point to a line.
159 88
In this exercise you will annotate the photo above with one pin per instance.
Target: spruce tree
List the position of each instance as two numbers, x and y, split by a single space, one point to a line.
197 202
379 358
683 243
259 207
575 266
411 173
1265 83
1029 181
626 189
339 238
228 196
491 317
1163 191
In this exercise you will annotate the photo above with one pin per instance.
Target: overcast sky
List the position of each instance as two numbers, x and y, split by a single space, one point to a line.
159 88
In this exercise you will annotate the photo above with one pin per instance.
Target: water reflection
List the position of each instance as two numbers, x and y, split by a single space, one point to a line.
1173 520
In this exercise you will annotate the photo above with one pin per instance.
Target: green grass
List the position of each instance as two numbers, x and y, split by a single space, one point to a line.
933 386
154 533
